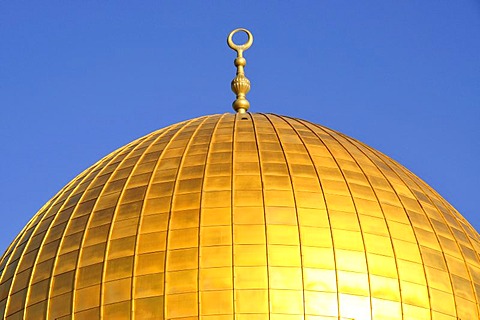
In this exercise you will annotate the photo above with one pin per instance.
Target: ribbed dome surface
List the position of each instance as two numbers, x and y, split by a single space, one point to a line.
253 216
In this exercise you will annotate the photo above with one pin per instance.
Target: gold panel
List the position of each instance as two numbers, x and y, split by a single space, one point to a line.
181 281
443 302
411 271
414 294
216 302
348 240
283 235
321 303
119 268
353 283
149 308
216 236
322 258
218 256
121 247
378 244
152 242
251 278
385 288
316 237
386 309
348 260
286 301
36 311
285 278
120 311
66 262
87 298
60 306
407 251
215 216
319 280
89 275
414 312
150 285
150 263
117 290
249 234
248 215
250 255
216 278
182 259
313 217
382 265
352 307
183 238
62 283
466 309
244 298
284 256
38 292
92 254
181 305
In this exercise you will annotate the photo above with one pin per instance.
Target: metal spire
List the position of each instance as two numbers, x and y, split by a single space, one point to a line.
240 84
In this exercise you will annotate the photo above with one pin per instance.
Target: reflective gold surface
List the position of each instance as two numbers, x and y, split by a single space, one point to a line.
246 216
240 84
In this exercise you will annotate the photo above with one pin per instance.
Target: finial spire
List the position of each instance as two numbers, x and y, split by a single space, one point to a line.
240 84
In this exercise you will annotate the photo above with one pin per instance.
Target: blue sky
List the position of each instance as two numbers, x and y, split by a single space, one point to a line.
80 79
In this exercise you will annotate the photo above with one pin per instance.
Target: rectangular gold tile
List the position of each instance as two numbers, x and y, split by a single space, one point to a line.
414 294
348 260
315 257
152 242
182 259
250 255
216 302
89 275
285 278
319 280
321 303
150 285
183 238
251 301
249 234
216 235
353 283
150 263
215 278
217 256
251 277
181 281
282 235
181 305
117 290
284 256
119 268
286 301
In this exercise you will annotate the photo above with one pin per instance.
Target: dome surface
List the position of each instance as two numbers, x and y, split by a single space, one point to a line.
252 216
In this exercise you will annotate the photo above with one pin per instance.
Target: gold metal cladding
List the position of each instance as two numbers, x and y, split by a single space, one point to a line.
240 84
267 218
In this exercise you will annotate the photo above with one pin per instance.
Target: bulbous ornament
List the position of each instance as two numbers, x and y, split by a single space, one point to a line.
241 86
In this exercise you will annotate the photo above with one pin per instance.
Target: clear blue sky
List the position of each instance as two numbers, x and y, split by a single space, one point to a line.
80 79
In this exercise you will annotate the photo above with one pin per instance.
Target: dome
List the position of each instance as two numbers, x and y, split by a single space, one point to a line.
252 216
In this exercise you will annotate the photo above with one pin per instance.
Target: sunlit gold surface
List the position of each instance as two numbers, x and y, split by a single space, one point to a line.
245 216
240 84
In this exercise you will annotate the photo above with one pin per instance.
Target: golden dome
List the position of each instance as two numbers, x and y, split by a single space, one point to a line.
256 216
